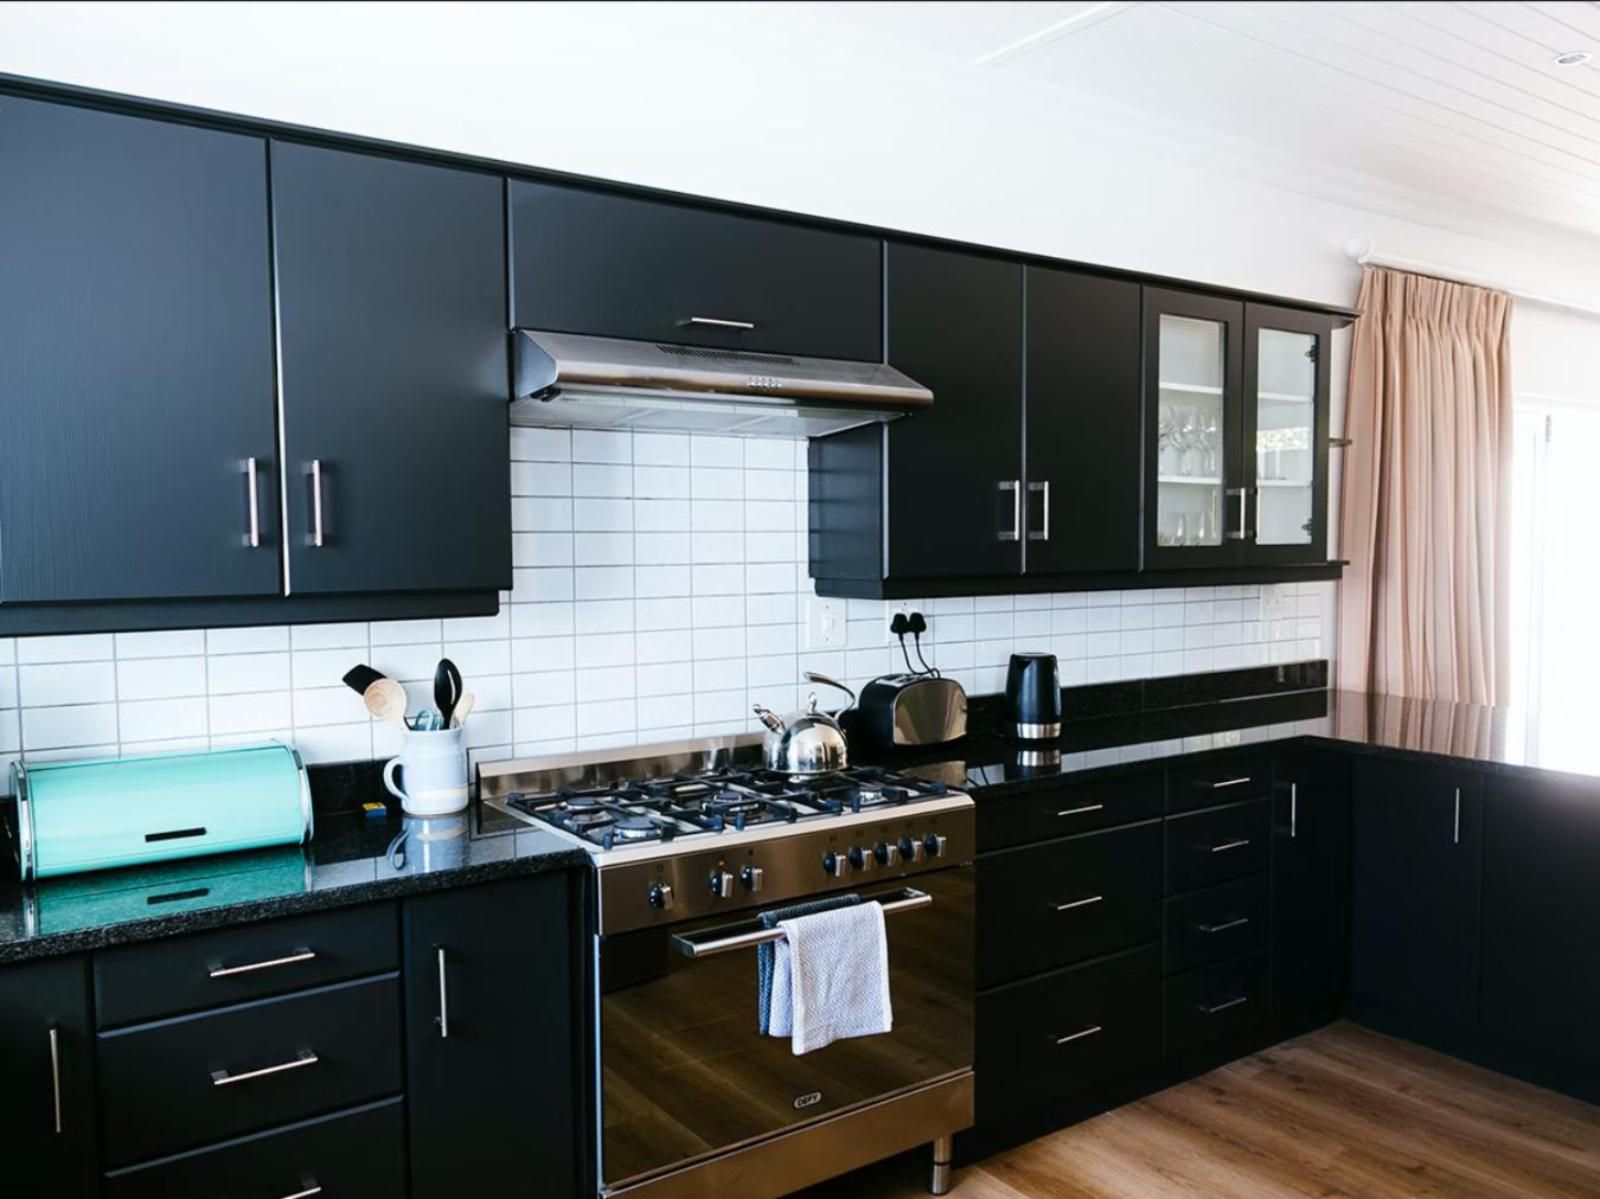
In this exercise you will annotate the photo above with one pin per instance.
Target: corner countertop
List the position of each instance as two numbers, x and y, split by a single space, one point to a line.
348 862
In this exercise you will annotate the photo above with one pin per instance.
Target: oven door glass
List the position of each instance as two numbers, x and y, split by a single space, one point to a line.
684 1072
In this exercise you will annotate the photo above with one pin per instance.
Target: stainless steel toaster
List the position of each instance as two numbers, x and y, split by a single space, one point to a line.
912 709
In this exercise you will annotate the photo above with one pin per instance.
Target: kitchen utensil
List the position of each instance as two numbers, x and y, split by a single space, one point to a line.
446 690
913 709
1033 696
384 698
106 812
464 708
432 770
806 742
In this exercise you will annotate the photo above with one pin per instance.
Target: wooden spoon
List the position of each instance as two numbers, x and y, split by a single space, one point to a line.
464 708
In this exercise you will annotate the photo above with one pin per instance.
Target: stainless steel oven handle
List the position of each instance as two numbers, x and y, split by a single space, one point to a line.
910 900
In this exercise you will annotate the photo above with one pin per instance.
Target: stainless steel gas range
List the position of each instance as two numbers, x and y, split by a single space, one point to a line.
690 843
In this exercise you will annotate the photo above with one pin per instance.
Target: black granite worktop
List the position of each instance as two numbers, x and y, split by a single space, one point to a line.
348 862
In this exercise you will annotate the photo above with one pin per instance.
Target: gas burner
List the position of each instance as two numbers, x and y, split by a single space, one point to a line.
635 828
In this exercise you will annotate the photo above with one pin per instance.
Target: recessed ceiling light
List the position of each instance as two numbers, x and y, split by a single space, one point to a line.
1573 58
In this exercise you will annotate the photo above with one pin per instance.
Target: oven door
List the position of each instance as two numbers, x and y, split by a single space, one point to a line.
684 1072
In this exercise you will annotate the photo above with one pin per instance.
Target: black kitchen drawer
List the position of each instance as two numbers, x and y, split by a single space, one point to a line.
159 1082
1068 1032
1064 811
186 974
1205 848
353 1155
615 266
1211 1004
1215 924
1218 781
1066 901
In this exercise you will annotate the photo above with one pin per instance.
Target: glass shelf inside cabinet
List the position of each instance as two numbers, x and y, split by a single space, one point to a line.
1285 421
1190 432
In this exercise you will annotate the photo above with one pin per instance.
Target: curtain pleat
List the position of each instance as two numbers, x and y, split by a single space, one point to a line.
1426 503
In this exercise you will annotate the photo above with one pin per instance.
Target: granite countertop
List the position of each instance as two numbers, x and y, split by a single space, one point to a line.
348 862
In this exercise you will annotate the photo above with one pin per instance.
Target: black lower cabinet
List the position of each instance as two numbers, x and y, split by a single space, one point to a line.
47 1094
1541 961
492 1083
356 1153
1311 823
1418 841
1215 1005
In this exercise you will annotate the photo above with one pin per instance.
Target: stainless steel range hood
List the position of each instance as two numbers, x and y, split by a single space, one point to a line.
608 383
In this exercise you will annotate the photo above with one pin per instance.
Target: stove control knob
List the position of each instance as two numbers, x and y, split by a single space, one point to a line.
836 864
721 884
887 853
661 897
911 850
860 859
934 844
752 877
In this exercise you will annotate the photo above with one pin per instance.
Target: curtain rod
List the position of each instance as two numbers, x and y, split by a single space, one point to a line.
1364 252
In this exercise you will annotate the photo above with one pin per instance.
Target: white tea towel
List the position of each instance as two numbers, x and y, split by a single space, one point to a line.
830 977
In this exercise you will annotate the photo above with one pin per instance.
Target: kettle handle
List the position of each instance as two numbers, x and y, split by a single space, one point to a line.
812 676
770 718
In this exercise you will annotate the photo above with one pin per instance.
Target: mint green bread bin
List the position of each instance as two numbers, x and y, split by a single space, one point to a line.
110 812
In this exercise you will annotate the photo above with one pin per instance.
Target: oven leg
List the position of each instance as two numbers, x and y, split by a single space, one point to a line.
941 1167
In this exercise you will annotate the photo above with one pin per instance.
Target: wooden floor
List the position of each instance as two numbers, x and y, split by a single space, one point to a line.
1341 1112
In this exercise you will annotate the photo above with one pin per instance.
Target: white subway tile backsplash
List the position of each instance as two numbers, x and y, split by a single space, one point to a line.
66 683
160 678
87 647
161 644
79 725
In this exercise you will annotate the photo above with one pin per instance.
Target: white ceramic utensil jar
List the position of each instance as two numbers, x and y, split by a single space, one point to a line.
433 772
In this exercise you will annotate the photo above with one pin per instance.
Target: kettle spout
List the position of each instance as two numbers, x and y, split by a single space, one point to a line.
770 718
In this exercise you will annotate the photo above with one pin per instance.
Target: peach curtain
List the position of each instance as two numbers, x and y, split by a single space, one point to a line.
1423 607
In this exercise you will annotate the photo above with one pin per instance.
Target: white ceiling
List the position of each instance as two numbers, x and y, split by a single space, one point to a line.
1459 103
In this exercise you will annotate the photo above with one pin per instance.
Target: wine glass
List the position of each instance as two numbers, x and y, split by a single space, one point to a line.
1166 427
1188 441
1211 437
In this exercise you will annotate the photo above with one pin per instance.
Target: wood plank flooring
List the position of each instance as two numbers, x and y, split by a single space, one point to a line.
1341 1112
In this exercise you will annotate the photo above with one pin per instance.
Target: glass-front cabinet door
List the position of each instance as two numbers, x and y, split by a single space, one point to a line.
1193 476
1285 435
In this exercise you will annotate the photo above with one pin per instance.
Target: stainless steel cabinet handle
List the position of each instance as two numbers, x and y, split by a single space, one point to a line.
55 1077
1457 833
316 502
1078 1036
1088 807
1222 1007
1079 903
1238 782
222 1078
444 1000
1255 531
1227 845
299 955
1225 925
1043 533
1243 493
717 322
1294 810
311 1190
253 537
1014 486
907 900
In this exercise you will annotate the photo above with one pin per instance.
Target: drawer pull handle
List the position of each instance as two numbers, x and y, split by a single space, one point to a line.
1088 807
311 1190
717 322
1222 1007
299 955
1078 1036
1225 926
1227 845
221 1078
1079 903
55 1077
1238 782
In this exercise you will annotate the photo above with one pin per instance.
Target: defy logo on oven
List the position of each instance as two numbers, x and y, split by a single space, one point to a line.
809 1099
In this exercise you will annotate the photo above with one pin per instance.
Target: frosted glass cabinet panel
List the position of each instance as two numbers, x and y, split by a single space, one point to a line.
1285 406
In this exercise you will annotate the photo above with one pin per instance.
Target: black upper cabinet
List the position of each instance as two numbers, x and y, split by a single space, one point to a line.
47 1103
1236 433
955 499
395 385
1418 841
1311 830
492 1086
1541 974
1082 461
136 372
615 266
